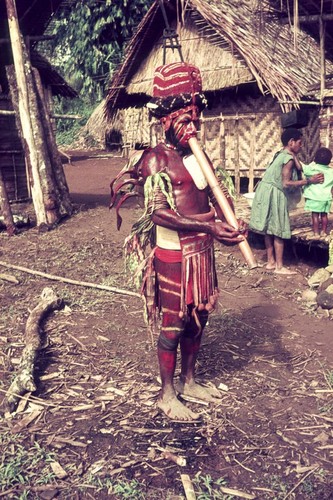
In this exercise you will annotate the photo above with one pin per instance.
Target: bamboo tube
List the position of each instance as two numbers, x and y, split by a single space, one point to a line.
221 199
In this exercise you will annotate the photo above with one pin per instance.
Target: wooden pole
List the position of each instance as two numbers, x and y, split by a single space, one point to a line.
221 199
322 57
70 281
55 171
5 208
21 65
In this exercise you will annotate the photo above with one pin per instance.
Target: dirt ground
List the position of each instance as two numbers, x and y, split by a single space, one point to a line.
91 430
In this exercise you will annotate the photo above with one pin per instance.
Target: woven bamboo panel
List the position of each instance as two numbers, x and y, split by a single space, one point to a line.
230 102
136 128
12 162
326 126
242 133
311 137
14 173
243 143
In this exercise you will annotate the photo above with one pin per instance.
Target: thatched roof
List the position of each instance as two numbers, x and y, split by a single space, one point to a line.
305 13
34 17
51 77
230 41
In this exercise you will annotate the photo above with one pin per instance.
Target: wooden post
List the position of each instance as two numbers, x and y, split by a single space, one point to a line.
5 208
48 184
237 156
60 186
24 109
252 156
322 57
40 169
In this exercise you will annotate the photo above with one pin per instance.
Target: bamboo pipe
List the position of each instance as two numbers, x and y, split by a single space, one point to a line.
221 199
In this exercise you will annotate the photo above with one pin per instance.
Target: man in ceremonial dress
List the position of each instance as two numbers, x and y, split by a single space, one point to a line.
182 220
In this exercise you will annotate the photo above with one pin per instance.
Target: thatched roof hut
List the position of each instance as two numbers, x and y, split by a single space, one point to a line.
253 68
232 43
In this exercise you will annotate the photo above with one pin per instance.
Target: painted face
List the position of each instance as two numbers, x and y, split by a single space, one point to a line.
184 127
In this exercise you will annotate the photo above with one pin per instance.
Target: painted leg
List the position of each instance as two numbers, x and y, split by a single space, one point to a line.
190 345
269 244
168 276
167 357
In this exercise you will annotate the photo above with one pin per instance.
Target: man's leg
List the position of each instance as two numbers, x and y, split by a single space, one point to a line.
169 278
269 244
190 344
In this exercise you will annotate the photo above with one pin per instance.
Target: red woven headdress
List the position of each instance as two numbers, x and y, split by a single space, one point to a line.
176 86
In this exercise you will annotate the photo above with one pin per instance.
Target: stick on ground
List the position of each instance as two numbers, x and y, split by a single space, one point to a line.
68 280
24 378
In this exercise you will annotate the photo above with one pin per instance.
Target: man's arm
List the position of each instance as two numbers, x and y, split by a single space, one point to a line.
221 231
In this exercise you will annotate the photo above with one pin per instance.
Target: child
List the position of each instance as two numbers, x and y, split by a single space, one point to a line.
318 197
269 213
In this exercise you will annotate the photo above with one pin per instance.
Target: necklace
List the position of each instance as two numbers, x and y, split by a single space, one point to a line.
170 146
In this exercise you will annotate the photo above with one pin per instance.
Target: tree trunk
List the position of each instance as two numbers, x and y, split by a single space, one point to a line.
65 205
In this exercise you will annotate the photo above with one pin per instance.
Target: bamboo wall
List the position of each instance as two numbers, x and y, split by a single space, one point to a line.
135 128
240 131
326 125
12 161
242 134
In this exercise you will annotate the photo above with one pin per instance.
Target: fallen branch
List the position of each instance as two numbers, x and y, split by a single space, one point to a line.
68 280
24 379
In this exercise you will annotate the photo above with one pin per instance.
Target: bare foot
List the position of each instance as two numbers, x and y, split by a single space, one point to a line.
270 267
285 271
175 410
207 392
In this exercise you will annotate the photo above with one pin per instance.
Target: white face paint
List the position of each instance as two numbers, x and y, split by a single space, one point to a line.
192 166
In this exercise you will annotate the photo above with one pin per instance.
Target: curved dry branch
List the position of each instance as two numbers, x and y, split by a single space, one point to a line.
24 378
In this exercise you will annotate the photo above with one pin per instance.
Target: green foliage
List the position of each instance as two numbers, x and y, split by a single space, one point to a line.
122 489
329 378
226 180
67 130
89 40
20 465
128 489
209 489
